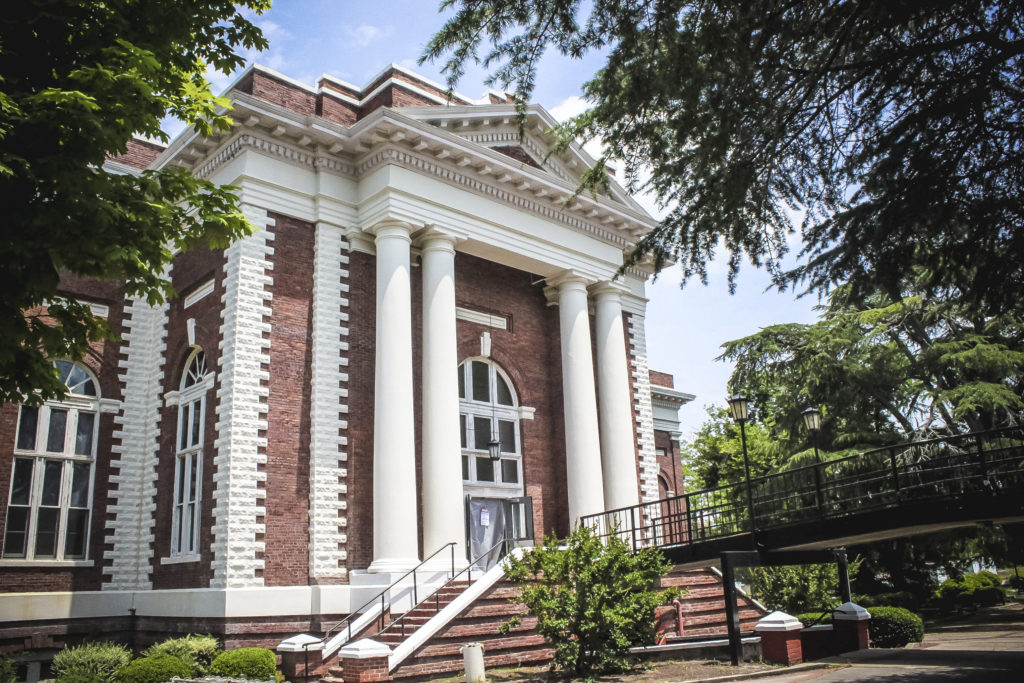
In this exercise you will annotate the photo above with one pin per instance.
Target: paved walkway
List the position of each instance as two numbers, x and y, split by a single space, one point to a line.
986 647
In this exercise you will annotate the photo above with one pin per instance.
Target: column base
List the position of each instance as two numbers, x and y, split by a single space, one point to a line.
392 565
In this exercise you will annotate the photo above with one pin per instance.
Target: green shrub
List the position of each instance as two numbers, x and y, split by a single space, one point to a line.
989 596
8 670
90 662
894 627
813 618
199 650
155 670
982 580
903 599
254 663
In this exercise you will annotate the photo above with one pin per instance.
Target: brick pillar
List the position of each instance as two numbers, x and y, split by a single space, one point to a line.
850 623
301 656
364 661
780 638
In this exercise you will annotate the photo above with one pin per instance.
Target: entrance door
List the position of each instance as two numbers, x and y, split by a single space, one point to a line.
492 520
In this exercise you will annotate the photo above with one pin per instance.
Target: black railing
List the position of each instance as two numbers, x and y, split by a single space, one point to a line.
383 595
940 468
468 571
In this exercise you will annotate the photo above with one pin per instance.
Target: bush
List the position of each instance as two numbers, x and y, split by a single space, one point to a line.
989 596
982 580
593 598
894 627
199 650
90 662
8 670
903 599
155 670
254 663
814 618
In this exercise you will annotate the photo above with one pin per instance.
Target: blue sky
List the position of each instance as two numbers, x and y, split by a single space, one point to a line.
356 40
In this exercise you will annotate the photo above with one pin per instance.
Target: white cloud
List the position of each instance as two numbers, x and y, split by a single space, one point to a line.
364 34
569 107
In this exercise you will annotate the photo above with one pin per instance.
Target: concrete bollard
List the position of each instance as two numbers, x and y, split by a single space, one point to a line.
473 660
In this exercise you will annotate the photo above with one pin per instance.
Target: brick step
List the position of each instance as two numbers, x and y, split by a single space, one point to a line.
711 618
711 604
496 644
426 670
505 609
501 592
484 628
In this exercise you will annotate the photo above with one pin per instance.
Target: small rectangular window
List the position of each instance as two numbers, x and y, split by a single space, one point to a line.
507 432
27 428
83 433
481 382
197 421
509 471
17 531
465 468
74 542
47 520
481 432
484 469
462 429
58 426
21 481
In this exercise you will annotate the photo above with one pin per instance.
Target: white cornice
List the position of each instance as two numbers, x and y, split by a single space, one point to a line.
669 395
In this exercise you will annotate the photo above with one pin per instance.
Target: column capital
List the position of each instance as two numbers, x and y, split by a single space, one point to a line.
568 280
391 228
434 238
608 289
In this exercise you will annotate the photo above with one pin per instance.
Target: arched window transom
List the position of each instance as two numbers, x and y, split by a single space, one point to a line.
489 410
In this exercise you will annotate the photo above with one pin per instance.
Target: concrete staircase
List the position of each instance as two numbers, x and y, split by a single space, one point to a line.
703 607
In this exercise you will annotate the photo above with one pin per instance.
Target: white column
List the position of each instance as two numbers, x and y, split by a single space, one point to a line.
618 452
395 547
443 514
582 444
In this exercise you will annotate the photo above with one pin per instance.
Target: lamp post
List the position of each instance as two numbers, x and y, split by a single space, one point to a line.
812 420
739 409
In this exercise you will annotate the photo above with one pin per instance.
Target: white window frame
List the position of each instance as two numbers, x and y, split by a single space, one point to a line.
493 411
75 405
194 385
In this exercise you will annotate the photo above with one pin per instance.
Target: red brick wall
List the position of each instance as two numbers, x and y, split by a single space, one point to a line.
662 379
335 109
102 358
670 467
266 87
191 270
289 405
139 154
362 340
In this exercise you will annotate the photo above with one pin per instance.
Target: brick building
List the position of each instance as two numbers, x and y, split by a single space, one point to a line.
312 412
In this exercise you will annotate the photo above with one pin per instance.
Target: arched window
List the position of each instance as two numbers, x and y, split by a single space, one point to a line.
51 478
188 461
488 409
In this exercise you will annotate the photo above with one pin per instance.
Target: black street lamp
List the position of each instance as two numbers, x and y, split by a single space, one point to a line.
812 420
494 449
739 409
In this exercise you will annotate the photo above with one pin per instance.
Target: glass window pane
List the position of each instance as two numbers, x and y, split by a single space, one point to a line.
509 471
504 393
63 369
46 532
196 422
193 476
58 425
21 481
176 524
484 469
462 429
182 427
83 435
74 542
180 488
465 468
17 531
481 382
27 428
51 482
80 485
481 432
190 527
462 381
507 436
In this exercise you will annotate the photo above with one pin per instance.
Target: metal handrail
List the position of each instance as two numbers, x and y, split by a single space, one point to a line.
381 596
878 478
437 600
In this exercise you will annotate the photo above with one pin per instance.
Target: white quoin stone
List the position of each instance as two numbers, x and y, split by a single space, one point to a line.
618 457
395 542
443 514
849 611
582 443
778 621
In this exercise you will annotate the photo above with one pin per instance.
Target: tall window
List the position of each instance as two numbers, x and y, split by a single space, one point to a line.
188 461
488 409
51 480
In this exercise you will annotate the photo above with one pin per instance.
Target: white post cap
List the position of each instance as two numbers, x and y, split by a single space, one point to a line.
778 621
850 612
301 643
364 649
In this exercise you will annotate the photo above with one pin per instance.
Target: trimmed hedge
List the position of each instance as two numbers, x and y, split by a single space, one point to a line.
989 596
254 663
157 669
894 627
199 650
902 599
809 618
90 663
